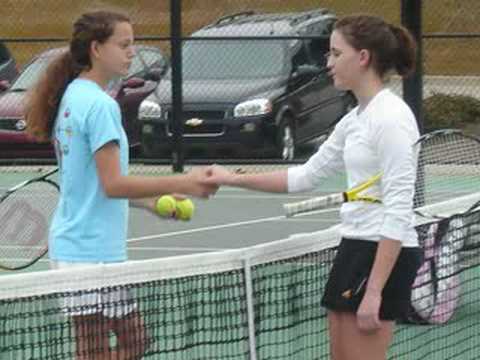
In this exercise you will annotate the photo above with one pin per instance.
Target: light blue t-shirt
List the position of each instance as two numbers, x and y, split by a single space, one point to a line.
88 226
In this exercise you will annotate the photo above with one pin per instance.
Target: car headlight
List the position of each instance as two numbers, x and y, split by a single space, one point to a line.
253 107
149 110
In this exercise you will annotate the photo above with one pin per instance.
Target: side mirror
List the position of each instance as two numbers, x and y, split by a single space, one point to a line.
308 71
134 83
4 85
157 71
305 73
154 74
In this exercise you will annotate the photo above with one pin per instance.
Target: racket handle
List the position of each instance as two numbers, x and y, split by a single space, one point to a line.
317 203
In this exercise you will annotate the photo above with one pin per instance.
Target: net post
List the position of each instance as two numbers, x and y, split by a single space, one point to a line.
252 345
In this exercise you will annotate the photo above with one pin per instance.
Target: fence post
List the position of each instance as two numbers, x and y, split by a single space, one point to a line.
413 86
177 97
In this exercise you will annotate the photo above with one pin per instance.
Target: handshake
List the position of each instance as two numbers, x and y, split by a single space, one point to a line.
205 181
199 182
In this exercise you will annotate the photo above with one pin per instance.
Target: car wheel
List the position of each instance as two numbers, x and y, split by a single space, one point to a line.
286 140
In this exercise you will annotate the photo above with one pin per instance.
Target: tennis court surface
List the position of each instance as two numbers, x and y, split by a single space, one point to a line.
237 282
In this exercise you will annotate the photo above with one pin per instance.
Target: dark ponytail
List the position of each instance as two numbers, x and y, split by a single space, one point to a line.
44 98
406 51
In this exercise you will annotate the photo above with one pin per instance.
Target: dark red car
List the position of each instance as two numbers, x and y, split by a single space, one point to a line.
147 68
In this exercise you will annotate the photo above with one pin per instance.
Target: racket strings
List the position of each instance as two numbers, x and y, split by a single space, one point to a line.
448 167
25 216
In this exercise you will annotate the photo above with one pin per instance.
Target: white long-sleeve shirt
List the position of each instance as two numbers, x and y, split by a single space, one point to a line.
378 139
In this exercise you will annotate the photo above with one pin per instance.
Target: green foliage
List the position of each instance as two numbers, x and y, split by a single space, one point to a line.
451 111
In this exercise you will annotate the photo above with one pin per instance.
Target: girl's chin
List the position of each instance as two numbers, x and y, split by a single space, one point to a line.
340 85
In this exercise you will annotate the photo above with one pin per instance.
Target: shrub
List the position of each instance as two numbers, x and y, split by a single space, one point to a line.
451 111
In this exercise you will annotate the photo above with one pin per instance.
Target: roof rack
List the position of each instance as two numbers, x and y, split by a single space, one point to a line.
292 18
231 17
307 15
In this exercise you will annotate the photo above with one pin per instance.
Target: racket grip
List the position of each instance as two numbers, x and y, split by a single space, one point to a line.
317 203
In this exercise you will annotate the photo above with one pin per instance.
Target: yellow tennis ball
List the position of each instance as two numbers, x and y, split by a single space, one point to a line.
185 209
166 206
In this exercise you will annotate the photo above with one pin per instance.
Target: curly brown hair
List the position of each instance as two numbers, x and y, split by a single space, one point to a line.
44 98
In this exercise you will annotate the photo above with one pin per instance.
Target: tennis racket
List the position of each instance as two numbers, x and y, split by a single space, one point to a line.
333 200
448 168
25 214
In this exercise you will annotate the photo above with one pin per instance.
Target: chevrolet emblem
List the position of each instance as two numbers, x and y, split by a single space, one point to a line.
20 125
194 122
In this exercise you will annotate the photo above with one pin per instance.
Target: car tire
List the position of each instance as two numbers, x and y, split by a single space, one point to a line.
285 144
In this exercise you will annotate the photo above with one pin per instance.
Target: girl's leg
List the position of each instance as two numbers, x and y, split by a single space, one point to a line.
92 337
347 342
132 340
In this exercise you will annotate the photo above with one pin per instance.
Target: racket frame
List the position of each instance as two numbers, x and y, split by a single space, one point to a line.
11 191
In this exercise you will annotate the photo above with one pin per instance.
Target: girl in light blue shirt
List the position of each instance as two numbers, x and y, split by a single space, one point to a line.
70 107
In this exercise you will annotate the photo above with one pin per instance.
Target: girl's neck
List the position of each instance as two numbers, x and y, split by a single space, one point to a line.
96 77
367 89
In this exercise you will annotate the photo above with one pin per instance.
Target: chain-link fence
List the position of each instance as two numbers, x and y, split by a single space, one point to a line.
253 76
451 41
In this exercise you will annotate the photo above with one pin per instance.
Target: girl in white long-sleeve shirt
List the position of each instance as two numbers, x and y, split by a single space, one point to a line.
370 282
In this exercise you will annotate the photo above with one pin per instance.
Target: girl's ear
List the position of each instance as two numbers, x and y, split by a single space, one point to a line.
94 49
365 57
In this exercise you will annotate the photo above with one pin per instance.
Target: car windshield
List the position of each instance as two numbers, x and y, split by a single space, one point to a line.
30 74
236 59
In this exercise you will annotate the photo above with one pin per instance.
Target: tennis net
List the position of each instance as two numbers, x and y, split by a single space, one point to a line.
261 302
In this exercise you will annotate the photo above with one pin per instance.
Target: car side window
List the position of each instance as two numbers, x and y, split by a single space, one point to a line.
136 66
317 48
300 57
152 57
145 59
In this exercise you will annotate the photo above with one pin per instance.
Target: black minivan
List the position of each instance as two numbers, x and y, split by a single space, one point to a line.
267 94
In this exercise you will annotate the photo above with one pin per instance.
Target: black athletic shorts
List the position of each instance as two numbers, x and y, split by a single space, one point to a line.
349 275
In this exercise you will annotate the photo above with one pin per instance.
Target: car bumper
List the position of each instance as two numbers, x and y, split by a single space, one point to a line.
251 132
26 150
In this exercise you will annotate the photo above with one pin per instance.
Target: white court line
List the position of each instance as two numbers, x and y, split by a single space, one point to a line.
246 196
225 226
175 248
326 221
